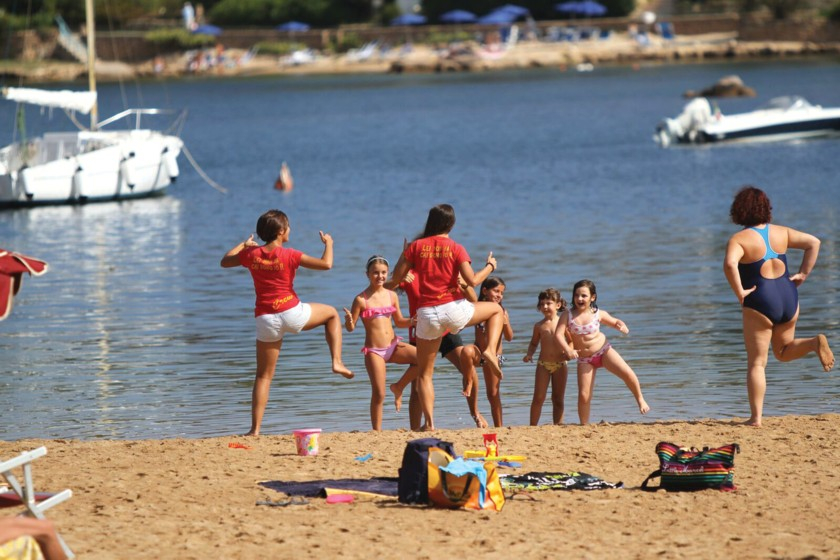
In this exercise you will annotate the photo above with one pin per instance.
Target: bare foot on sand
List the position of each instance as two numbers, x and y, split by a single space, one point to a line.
824 353
425 428
397 396
467 387
644 408
480 422
339 368
753 422
251 433
491 360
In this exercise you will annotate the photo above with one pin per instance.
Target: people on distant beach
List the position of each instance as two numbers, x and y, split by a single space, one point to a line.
465 357
278 310
378 308
437 261
591 348
188 13
552 368
756 268
493 289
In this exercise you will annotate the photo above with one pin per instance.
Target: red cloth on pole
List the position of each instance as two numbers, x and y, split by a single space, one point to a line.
12 267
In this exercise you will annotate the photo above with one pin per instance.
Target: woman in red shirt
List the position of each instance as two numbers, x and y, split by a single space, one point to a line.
437 260
278 309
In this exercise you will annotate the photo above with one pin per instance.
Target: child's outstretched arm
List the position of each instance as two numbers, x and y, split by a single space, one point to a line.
473 278
326 260
614 322
560 336
231 258
507 330
351 317
532 346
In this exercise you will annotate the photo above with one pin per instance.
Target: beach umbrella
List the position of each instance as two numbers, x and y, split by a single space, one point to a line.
458 16
207 29
12 267
571 6
591 8
293 26
519 11
409 19
499 17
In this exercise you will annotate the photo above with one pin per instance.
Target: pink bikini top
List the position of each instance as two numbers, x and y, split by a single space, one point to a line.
592 327
374 312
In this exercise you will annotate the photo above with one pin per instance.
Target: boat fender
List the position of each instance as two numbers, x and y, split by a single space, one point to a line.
170 163
78 183
21 182
127 170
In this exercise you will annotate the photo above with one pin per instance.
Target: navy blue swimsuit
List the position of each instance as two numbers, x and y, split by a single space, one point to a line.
776 298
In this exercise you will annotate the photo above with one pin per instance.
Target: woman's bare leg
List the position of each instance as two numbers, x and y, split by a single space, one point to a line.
404 354
787 348
267 354
494 315
466 358
327 316
758 331
375 366
426 354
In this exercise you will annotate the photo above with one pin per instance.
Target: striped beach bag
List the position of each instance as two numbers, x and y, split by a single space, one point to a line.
691 469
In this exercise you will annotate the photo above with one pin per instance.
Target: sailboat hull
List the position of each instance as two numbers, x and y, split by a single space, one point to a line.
108 166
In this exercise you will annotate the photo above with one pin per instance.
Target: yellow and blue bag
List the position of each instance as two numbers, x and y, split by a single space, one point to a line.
691 469
461 483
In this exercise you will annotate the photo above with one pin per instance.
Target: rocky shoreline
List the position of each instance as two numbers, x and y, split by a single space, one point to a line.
465 57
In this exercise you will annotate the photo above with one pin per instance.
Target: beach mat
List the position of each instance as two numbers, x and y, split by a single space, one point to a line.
385 487
532 481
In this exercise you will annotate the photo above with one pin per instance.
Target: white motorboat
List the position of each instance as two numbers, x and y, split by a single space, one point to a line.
93 165
782 118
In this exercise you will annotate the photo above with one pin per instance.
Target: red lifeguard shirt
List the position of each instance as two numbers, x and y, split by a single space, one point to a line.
274 275
437 261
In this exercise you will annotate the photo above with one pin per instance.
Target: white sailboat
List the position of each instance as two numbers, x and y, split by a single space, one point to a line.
95 165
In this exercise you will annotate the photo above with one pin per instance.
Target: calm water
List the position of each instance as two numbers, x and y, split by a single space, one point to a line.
136 332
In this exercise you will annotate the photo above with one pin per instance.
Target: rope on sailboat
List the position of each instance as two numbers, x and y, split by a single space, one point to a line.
201 172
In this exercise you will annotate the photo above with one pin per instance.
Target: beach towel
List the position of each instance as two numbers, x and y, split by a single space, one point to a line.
555 481
384 487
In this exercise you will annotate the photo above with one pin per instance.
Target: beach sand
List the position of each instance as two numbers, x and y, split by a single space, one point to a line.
182 498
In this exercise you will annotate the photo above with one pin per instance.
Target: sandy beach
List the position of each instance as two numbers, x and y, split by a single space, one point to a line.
183 498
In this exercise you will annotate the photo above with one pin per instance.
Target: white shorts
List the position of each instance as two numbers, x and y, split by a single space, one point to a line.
272 327
433 322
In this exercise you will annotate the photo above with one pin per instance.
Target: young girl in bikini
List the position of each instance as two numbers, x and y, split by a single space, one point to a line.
278 310
378 307
591 349
551 363
493 289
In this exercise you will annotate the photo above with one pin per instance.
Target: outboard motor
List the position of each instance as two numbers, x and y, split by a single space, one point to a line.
686 126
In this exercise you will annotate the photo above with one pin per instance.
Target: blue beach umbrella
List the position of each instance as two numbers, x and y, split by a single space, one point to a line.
409 19
591 8
499 17
519 11
571 6
458 16
293 26
207 29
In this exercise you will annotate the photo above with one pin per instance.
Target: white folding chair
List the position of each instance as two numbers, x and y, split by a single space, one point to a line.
26 490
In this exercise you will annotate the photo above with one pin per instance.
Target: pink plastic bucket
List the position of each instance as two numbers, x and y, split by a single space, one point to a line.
306 441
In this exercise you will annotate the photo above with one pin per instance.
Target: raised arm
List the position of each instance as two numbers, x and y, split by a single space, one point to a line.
326 260
351 316
533 345
473 278
467 290
811 246
231 258
734 254
614 322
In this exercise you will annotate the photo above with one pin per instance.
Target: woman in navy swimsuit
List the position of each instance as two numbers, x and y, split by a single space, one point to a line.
757 271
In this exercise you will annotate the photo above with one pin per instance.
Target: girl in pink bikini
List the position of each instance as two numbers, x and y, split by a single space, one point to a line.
591 348
379 309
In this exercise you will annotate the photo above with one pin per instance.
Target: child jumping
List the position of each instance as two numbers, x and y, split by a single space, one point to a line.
493 290
551 363
591 348
377 306
278 310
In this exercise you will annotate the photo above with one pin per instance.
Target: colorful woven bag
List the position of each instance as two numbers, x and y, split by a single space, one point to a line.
690 469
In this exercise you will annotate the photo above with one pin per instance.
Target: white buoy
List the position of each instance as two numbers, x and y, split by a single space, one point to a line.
170 164
78 183
127 170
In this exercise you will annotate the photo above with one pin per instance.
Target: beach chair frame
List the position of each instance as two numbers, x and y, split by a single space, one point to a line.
26 490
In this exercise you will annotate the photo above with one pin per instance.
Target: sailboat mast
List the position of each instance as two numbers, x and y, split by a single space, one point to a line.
91 49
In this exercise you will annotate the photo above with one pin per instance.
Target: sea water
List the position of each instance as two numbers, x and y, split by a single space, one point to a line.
136 332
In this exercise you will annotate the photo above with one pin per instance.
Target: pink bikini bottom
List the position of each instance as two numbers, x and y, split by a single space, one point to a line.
595 359
384 353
